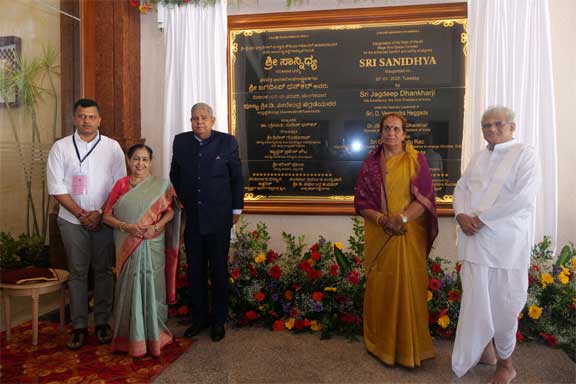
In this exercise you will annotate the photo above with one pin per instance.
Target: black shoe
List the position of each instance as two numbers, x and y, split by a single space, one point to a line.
78 338
217 332
195 328
103 334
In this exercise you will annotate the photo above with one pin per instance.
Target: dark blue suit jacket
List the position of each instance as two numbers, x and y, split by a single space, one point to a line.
208 179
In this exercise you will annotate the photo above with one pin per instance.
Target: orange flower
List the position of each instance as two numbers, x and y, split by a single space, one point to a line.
317 296
289 295
259 296
183 310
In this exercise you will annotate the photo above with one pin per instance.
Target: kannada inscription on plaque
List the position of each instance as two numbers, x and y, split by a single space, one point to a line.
306 103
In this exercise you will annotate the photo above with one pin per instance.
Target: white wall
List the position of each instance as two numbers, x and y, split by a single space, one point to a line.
339 228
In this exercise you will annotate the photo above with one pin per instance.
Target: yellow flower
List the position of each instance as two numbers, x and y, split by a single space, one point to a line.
444 321
563 278
330 289
231 280
290 323
574 263
546 279
315 326
260 258
534 312
337 245
430 295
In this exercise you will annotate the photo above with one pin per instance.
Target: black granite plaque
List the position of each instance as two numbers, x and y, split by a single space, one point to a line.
306 103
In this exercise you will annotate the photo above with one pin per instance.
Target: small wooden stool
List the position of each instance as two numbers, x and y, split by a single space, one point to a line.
34 289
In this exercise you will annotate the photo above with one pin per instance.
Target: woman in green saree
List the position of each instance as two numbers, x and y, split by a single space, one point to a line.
145 215
395 195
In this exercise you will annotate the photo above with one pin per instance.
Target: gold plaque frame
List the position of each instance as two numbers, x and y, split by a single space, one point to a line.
337 19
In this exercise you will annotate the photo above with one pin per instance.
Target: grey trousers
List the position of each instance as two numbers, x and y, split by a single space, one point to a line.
84 249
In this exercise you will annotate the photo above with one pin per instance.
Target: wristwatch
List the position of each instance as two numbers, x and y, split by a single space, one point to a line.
404 218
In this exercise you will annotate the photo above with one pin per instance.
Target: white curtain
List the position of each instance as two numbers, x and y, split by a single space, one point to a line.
510 63
195 68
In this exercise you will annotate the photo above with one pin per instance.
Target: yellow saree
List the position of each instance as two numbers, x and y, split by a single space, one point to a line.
395 302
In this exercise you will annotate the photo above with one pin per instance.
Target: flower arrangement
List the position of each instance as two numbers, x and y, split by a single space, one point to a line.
145 6
313 289
320 288
550 313
444 293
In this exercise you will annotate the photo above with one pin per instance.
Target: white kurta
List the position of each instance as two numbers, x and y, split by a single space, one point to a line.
506 239
496 258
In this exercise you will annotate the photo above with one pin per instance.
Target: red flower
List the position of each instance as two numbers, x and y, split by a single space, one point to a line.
183 310
317 296
259 296
134 3
306 323
305 266
235 273
172 311
314 274
243 321
436 268
275 272
314 247
353 277
433 317
253 272
299 324
519 337
531 280
334 270
274 314
341 299
315 255
550 339
271 256
357 260
453 296
278 325
289 295
434 284
185 1
255 234
251 315
458 267
535 268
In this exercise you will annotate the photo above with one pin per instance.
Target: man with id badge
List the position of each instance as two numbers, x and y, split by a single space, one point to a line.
81 170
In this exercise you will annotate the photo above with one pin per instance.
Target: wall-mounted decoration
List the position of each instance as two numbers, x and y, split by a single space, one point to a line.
10 47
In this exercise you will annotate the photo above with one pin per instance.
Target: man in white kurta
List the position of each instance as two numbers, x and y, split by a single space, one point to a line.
494 203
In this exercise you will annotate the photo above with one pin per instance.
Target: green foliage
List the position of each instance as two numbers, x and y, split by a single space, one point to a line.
22 252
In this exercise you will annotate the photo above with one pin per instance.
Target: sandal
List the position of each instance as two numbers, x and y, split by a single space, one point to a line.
103 334
78 338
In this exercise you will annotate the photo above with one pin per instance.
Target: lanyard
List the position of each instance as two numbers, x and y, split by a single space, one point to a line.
89 152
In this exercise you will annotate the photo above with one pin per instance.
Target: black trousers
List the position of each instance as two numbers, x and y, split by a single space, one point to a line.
207 255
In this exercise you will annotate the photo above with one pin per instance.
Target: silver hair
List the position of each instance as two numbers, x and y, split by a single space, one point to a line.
499 109
202 106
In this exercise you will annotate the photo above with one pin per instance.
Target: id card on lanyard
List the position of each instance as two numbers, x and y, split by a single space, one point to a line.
80 179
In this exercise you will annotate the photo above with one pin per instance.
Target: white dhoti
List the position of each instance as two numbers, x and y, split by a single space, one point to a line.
492 299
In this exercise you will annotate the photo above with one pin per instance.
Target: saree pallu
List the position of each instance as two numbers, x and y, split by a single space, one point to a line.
395 302
146 268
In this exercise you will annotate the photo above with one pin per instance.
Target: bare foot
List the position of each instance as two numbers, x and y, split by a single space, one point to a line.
503 375
489 355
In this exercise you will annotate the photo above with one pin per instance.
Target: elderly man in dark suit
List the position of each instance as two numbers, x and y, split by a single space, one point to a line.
207 175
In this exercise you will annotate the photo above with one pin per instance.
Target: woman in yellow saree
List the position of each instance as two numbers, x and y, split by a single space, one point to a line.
395 195
145 215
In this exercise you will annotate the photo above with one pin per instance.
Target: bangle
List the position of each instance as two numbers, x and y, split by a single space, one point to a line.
156 229
121 227
380 215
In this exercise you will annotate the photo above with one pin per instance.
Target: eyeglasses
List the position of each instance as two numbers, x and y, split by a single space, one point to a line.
497 124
